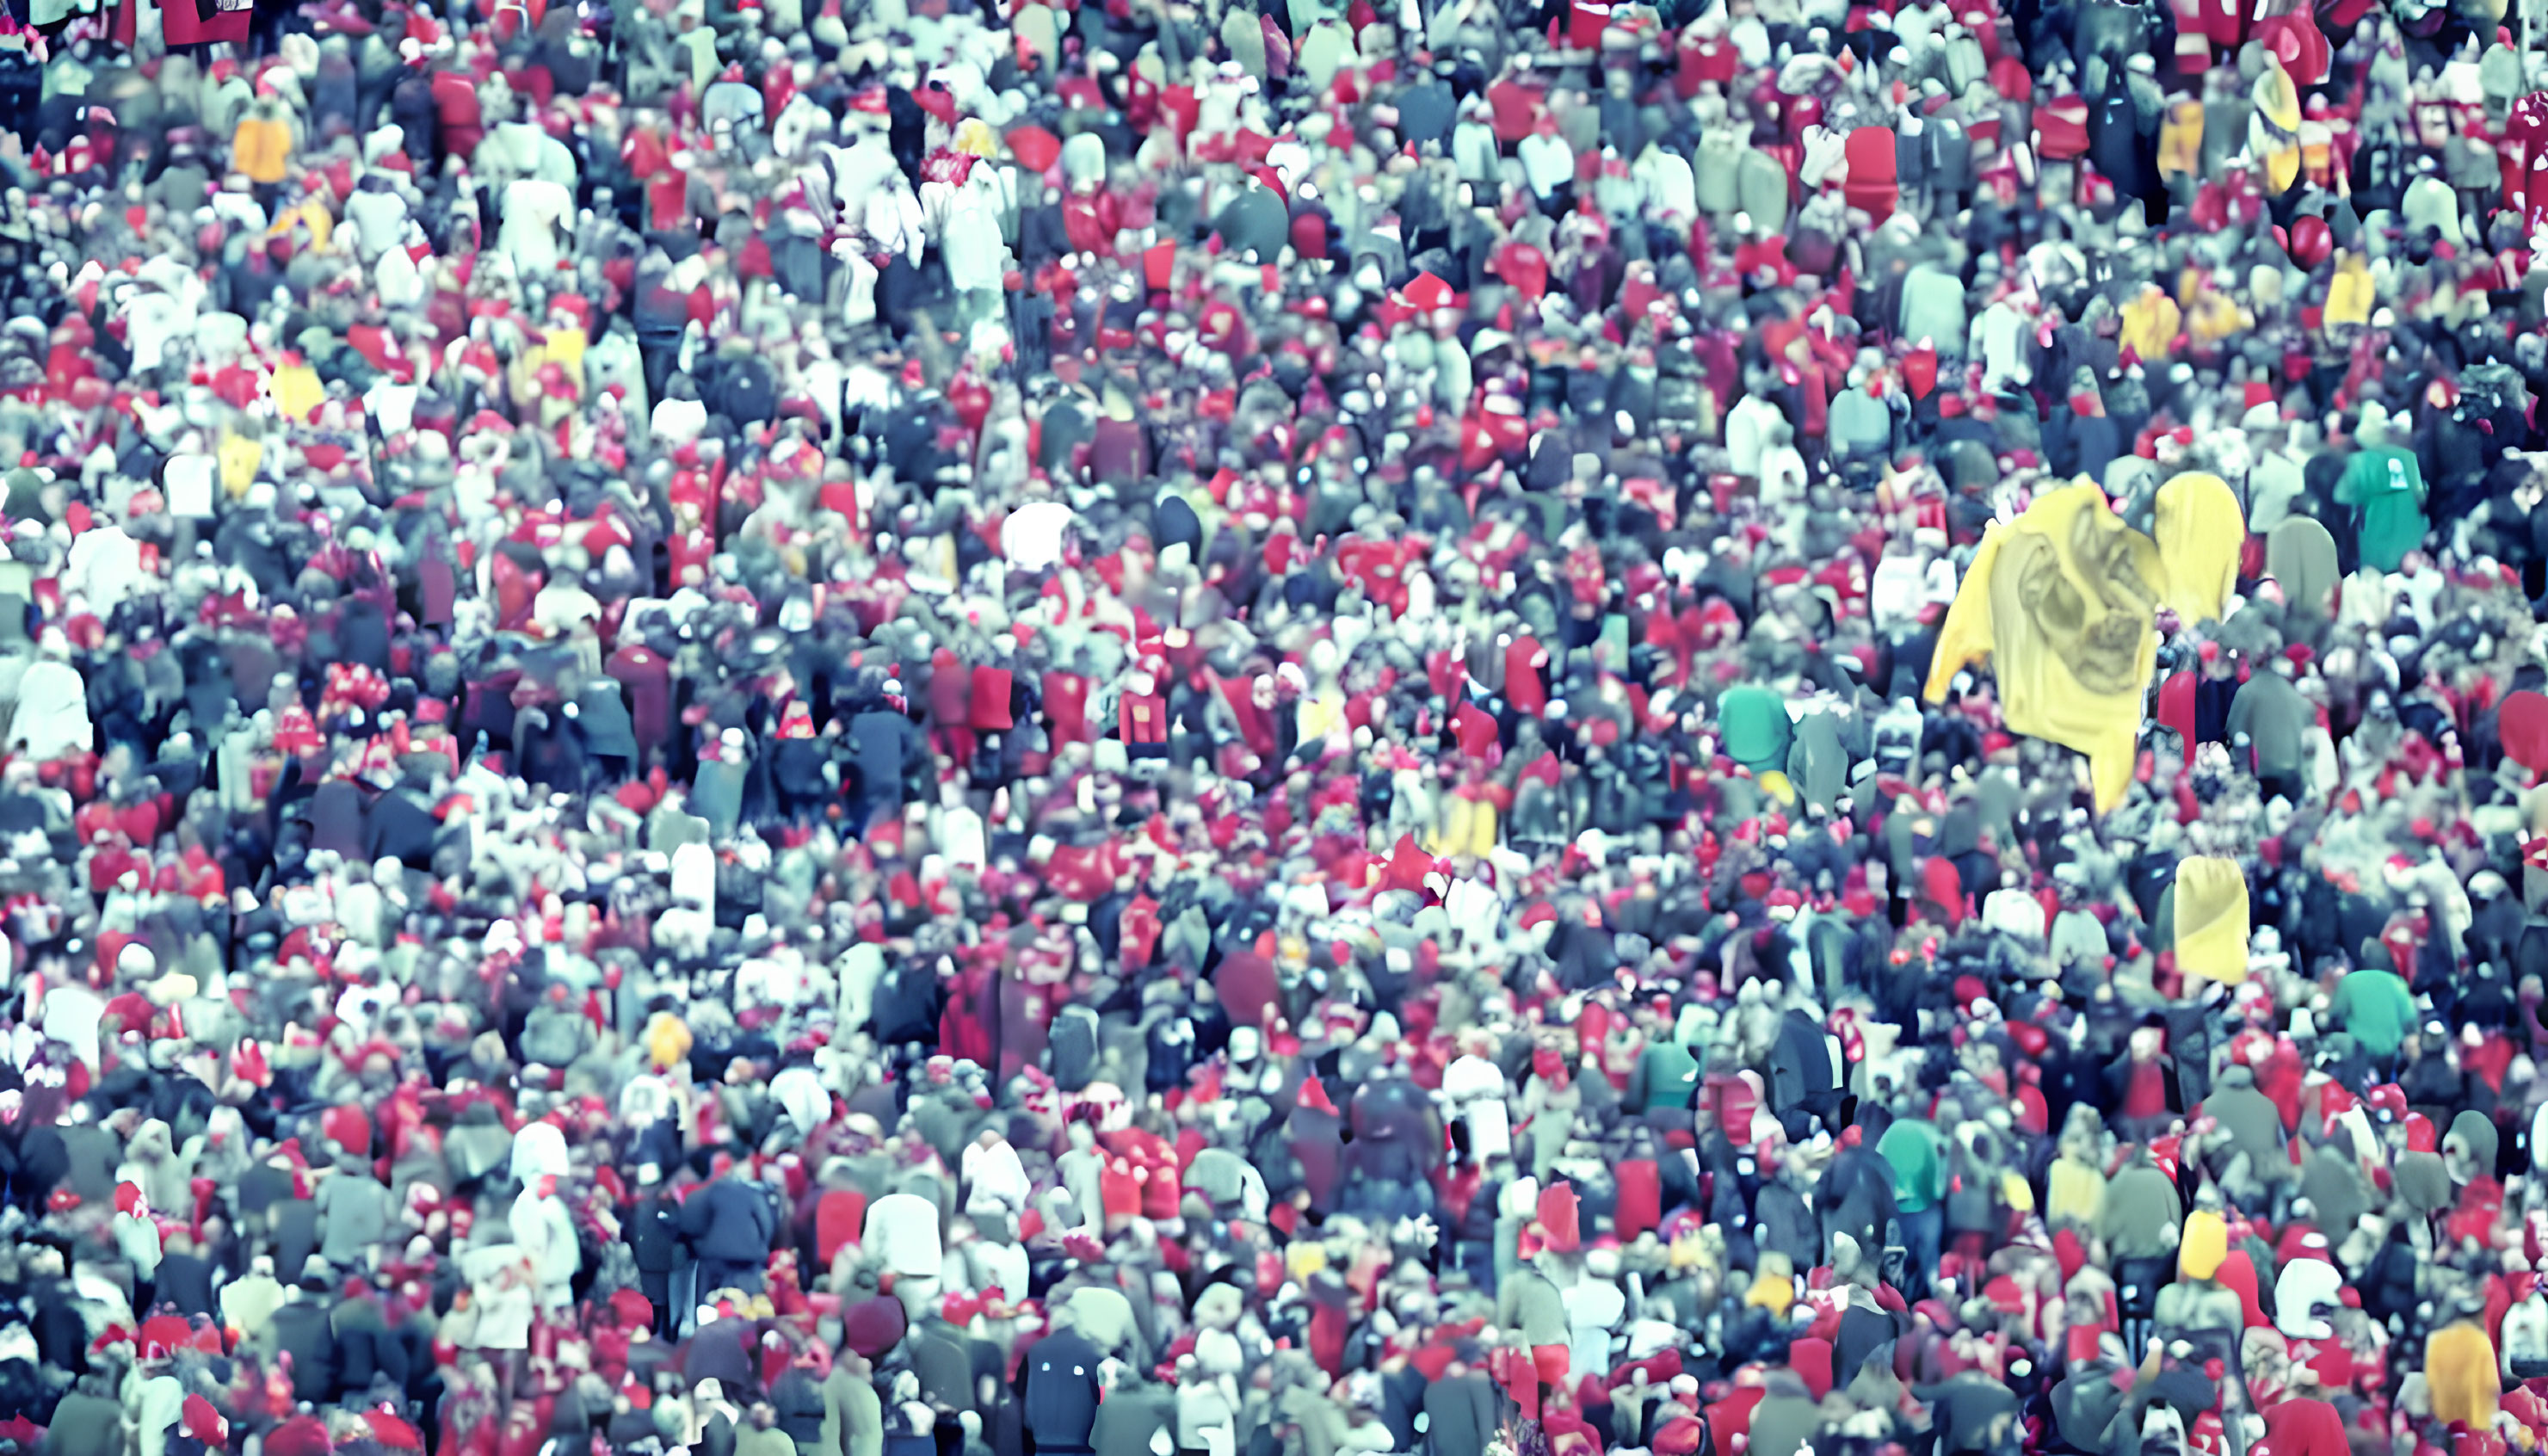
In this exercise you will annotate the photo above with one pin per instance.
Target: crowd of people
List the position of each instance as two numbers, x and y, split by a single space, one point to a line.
1200 728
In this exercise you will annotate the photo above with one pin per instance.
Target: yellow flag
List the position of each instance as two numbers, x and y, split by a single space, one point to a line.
2211 919
2200 532
2065 600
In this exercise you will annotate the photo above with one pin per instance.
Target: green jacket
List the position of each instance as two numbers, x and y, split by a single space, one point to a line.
2376 1008
1917 1152
1667 1075
1758 730
2386 489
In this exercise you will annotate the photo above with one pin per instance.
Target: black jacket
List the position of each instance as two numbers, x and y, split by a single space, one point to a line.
731 1222
653 1233
301 1329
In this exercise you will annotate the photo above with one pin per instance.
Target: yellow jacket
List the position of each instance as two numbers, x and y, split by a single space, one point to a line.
261 148
2460 1375
2075 1193
2349 293
2180 141
1467 827
2151 324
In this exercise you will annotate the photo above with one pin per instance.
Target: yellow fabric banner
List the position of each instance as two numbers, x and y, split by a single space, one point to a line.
2065 600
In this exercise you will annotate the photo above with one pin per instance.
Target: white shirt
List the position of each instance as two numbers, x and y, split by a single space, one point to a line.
532 208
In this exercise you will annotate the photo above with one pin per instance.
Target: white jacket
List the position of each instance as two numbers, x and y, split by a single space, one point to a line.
902 1231
994 1179
545 1232
1475 1088
52 712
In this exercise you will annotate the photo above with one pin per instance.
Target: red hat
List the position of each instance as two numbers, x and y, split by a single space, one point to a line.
1036 149
1679 1436
1427 293
203 1422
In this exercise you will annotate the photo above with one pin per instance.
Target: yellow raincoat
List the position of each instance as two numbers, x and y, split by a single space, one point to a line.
2212 921
2200 530
2151 324
2205 1244
261 148
2180 141
239 457
2461 1376
2349 293
2274 127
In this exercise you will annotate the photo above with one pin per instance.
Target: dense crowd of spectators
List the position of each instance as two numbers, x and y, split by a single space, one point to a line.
863 727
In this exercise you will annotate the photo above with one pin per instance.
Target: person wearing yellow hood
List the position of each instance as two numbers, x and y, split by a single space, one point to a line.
2274 127
2200 529
668 1040
2151 324
2198 1306
1773 1284
2180 140
2351 293
2210 915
